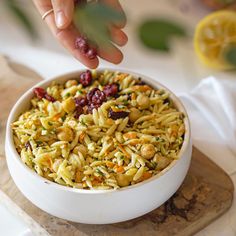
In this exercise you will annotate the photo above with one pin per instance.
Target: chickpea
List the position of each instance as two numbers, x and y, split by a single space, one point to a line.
65 134
148 151
134 114
80 148
71 83
143 101
131 172
162 162
122 180
68 105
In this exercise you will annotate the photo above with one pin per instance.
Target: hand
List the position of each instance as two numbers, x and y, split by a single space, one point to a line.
62 27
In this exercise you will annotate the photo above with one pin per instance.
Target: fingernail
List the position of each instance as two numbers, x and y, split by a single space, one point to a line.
60 19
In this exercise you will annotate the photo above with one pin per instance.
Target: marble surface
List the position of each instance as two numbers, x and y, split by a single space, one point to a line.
184 74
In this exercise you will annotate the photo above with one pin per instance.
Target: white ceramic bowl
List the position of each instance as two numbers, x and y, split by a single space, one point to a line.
96 206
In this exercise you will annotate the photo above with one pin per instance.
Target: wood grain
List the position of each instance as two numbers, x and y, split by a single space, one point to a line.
15 79
206 193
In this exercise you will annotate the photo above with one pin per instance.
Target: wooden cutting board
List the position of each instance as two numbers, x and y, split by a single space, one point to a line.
206 193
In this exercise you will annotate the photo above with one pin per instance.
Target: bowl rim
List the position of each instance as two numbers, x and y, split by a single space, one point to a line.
9 144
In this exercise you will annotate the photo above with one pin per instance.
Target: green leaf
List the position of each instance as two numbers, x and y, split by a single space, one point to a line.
156 33
230 55
93 21
22 17
105 12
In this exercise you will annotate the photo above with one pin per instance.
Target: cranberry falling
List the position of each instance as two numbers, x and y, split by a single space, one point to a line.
86 78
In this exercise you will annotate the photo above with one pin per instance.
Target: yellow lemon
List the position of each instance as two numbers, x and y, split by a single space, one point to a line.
214 34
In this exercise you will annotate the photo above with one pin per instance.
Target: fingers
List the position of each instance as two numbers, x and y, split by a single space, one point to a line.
65 36
110 53
118 36
63 11
116 4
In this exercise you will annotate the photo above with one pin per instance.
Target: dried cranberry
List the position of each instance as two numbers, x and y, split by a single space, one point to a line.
49 98
91 93
91 53
81 44
81 101
39 92
96 96
111 90
86 78
95 99
99 97
78 111
93 106
117 114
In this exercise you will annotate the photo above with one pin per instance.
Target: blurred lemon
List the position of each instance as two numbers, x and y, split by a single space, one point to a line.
214 35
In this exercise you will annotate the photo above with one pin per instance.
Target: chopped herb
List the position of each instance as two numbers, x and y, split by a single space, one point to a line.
82 122
125 102
43 128
159 139
67 95
154 165
161 91
39 142
79 92
99 172
50 123
120 106
63 118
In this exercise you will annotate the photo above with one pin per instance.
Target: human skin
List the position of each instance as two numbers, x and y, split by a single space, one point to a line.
61 25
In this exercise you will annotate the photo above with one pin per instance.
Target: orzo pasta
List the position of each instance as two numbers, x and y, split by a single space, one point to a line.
99 131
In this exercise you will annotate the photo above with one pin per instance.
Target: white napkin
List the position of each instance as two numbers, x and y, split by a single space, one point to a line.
215 100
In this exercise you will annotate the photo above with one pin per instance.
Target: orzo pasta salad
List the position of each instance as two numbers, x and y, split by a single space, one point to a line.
101 130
